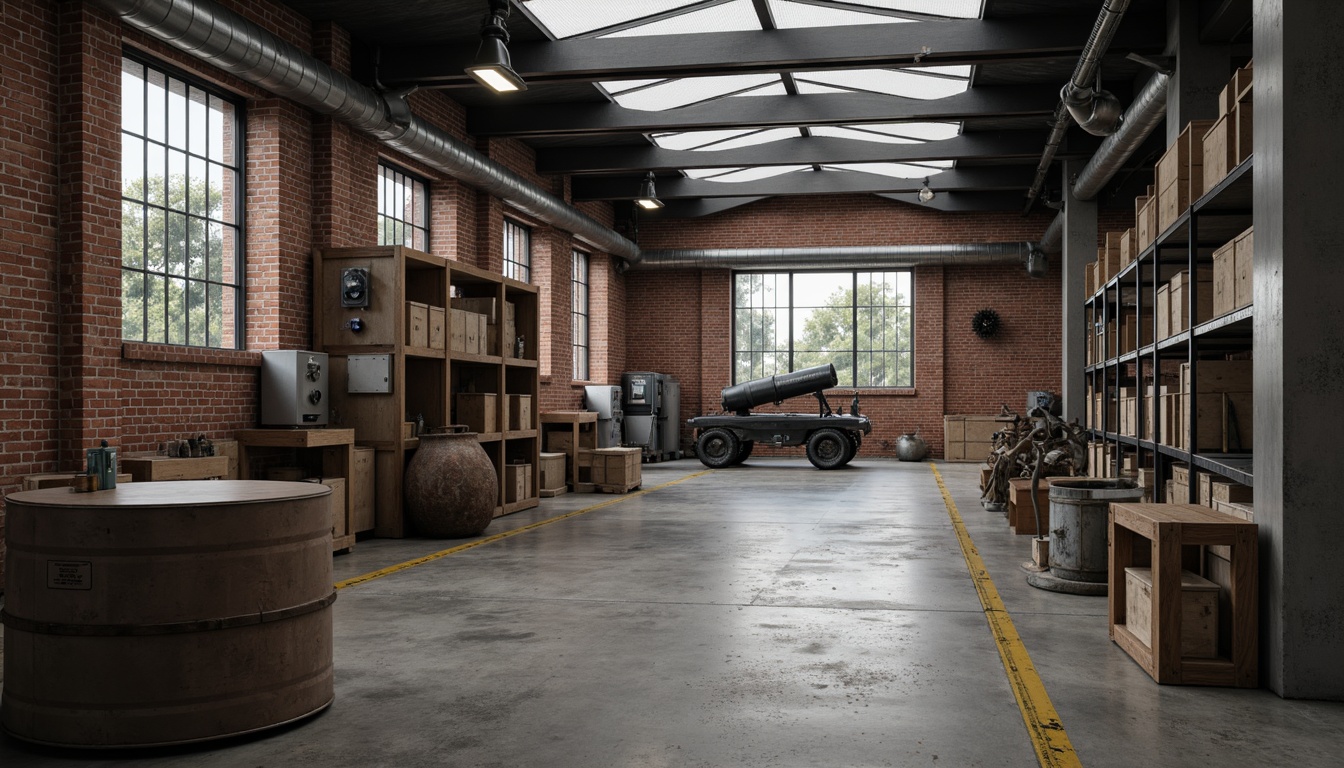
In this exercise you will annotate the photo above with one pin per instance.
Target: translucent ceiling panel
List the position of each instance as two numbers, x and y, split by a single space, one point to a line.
841 132
752 139
690 90
696 139
927 169
566 18
954 70
775 89
733 16
705 173
617 86
757 173
923 131
889 81
791 15
805 87
961 9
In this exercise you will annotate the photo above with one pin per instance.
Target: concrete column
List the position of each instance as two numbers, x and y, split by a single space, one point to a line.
1079 248
1299 344
1201 70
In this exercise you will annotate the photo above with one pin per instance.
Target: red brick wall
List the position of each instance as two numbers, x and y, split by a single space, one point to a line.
679 321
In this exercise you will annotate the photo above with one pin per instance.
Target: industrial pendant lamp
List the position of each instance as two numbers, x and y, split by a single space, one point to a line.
925 194
492 66
648 196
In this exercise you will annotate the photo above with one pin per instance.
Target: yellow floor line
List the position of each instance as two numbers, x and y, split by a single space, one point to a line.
391 569
1048 738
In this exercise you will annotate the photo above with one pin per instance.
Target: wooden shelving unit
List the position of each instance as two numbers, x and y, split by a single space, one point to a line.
421 381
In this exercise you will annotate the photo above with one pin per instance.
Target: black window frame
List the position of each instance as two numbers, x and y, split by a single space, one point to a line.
514 268
389 223
580 313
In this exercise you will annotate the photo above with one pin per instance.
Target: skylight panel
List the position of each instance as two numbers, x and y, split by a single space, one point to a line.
924 131
753 139
790 15
807 88
841 132
892 82
752 174
689 90
734 16
926 169
777 89
619 86
960 9
706 173
951 70
566 18
696 139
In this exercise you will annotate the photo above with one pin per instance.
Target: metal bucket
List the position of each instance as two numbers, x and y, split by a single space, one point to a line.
163 613
1079 510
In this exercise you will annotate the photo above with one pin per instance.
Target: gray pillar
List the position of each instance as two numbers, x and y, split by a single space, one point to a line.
1299 344
1201 70
1079 248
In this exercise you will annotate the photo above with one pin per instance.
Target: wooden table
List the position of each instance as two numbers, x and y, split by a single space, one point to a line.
1167 528
158 469
579 437
338 449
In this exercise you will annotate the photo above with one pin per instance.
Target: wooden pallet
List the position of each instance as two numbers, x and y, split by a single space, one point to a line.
601 488
547 493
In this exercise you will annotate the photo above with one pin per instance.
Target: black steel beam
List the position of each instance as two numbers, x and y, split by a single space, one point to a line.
1227 22
963 201
692 208
970 41
762 112
806 183
813 150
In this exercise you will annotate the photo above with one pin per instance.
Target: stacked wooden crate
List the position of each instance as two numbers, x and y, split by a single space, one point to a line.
969 438
1180 173
1221 409
1228 141
1232 274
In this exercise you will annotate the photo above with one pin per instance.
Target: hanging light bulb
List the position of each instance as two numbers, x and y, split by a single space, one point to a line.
925 194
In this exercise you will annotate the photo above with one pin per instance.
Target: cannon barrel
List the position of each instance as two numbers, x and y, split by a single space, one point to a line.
772 389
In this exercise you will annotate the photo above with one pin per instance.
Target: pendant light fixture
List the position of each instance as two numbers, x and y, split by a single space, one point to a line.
492 66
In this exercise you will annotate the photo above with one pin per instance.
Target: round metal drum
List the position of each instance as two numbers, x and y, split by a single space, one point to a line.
163 613
1079 510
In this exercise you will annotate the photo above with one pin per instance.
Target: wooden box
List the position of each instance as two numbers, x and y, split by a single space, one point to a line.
1145 221
616 467
1163 311
337 498
1128 251
1230 492
417 324
954 429
552 471
478 306
1021 514
362 489
1183 290
520 411
144 469
437 328
1220 152
1111 253
1180 173
1243 118
1089 279
60 480
1243 251
472 339
981 429
1224 280
517 482
479 411
457 330
1198 611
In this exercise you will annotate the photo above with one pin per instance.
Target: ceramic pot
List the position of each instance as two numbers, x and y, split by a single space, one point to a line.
911 447
451 486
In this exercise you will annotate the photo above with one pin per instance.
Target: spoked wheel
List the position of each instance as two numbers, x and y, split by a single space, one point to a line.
827 448
718 448
743 450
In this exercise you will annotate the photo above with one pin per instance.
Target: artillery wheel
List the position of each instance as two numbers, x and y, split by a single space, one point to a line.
718 448
827 448
743 450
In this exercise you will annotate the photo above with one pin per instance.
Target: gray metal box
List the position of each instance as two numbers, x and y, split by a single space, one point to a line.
293 388
368 374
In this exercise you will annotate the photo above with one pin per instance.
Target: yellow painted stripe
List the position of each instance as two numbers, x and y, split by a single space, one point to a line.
391 569
1048 738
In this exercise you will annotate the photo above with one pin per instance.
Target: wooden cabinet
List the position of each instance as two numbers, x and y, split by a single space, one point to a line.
396 362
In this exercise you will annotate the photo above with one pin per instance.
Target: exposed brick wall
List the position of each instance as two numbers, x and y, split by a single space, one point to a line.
680 321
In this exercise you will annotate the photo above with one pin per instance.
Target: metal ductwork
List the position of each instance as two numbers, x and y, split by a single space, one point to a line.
1078 98
858 257
1147 112
228 41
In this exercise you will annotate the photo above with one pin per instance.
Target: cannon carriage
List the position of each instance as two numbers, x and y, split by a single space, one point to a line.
832 439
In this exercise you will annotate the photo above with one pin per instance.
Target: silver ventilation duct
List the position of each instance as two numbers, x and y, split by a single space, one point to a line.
1144 115
1078 96
228 41
856 257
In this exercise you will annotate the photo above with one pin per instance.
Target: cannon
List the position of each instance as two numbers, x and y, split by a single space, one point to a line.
832 439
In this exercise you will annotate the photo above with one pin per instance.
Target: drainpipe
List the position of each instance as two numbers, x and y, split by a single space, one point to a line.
229 42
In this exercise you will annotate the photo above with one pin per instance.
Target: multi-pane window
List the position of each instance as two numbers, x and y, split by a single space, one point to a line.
579 315
517 252
861 322
403 209
181 210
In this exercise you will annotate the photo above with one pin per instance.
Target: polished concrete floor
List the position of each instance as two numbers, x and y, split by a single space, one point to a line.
767 615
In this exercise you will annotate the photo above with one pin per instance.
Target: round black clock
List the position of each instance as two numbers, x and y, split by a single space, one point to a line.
985 323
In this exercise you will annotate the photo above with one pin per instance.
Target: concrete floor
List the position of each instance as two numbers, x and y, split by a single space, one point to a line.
769 615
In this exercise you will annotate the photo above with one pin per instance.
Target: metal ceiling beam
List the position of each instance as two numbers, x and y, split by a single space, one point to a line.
803 183
694 209
813 150
972 41
762 112
1227 22
962 202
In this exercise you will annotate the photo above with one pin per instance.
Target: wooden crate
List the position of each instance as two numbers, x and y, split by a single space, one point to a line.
478 410
473 341
1128 249
1157 533
479 306
1021 515
616 467
1145 221
457 330
340 524
1163 307
1244 259
1224 280
1183 290
362 489
1235 493
1089 279
145 469
1220 152
1198 611
1243 118
1180 173
417 324
437 328
517 482
60 480
520 411
552 471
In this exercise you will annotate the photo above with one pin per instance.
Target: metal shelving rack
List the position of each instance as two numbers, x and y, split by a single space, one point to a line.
1211 221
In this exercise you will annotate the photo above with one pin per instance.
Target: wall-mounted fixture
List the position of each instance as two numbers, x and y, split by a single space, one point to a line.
355 287
492 66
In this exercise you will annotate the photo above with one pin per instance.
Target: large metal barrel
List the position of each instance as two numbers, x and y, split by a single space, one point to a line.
1079 517
772 389
170 612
